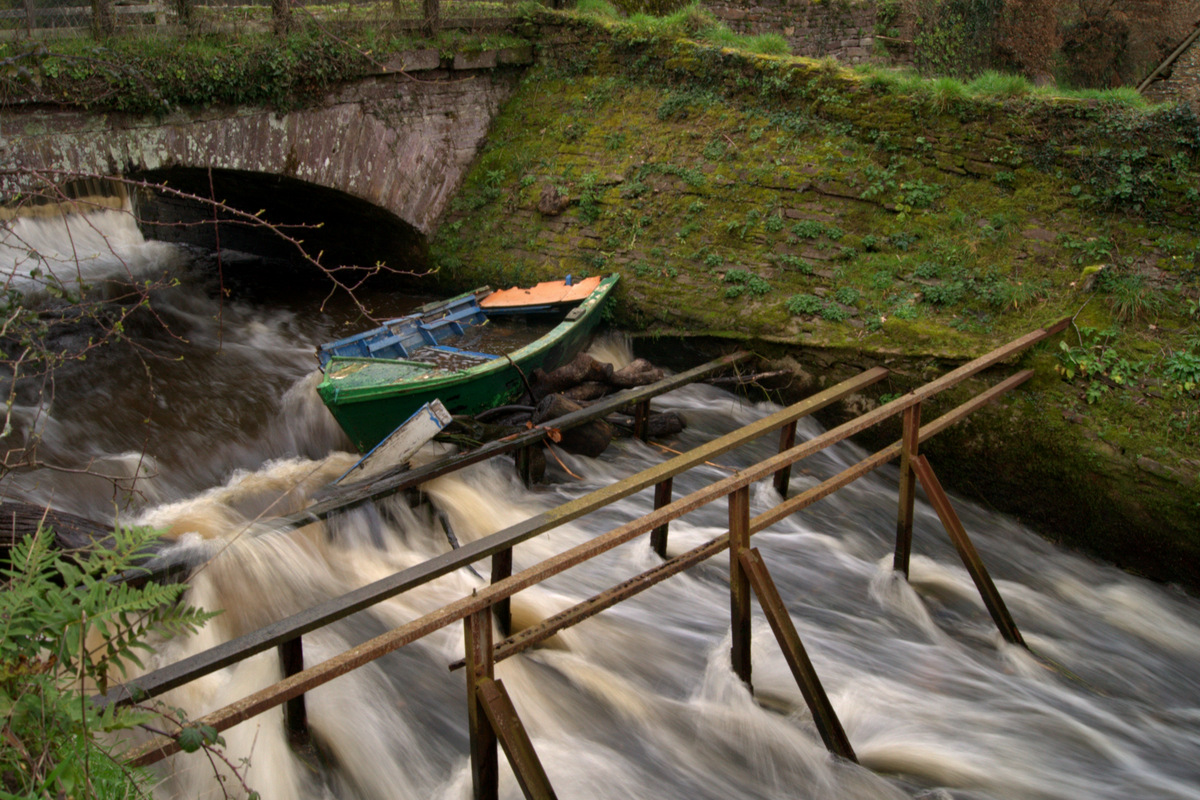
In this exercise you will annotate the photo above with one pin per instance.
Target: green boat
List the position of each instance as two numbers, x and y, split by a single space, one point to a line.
469 352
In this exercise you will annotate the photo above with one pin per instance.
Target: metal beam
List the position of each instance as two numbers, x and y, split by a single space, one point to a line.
188 669
569 617
502 716
739 585
368 651
967 552
826 719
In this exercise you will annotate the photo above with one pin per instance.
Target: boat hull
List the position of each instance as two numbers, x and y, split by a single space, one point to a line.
392 390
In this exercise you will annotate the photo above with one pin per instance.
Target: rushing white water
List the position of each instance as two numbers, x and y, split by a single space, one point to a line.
639 701
78 250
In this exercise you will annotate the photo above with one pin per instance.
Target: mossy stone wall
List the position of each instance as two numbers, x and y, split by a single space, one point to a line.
844 29
801 209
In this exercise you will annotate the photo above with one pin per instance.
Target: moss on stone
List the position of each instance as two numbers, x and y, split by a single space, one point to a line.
949 232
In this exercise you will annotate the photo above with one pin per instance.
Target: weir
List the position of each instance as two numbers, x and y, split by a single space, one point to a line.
492 717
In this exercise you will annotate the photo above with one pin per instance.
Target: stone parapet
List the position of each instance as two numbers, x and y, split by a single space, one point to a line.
1182 83
844 30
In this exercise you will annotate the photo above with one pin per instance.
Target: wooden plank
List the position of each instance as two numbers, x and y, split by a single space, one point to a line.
908 494
394 452
502 715
824 715
967 552
739 584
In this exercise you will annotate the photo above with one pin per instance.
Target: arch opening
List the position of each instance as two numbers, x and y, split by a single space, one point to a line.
343 229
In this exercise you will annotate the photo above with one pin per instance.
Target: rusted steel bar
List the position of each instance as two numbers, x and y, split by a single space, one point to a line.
966 551
658 536
526 765
908 489
368 651
787 440
524 464
501 569
295 716
188 669
485 769
594 605
739 584
873 462
641 415
824 715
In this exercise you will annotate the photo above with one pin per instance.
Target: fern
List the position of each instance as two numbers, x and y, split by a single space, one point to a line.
66 624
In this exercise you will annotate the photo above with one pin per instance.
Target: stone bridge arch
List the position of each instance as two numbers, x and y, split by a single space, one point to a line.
386 152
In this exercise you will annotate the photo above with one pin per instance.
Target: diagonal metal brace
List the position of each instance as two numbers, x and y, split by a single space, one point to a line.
966 551
828 724
502 716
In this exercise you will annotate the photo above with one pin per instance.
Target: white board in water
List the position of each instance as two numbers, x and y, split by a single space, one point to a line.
401 443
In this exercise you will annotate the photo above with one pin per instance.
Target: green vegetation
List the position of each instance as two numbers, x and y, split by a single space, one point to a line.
882 214
67 629
158 73
785 200
945 93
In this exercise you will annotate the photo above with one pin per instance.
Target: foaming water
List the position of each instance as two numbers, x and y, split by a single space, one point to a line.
639 701
78 250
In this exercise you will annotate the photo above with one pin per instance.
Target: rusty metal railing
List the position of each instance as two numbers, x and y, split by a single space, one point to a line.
491 717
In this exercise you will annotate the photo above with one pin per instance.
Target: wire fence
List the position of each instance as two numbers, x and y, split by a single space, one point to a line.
49 18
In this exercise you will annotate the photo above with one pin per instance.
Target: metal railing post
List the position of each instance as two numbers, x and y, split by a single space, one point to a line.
658 536
967 552
787 440
908 485
739 583
295 716
502 563
641 420
825 717
485 772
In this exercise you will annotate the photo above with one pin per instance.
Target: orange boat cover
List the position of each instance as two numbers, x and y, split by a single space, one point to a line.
544 294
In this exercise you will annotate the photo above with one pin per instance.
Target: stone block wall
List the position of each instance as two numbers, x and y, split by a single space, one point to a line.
1183 82
844 29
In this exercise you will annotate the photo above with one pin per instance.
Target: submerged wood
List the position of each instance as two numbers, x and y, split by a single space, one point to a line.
582 369
590 439
71 532
638 372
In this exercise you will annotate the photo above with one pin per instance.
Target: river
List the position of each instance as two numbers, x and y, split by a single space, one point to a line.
211 418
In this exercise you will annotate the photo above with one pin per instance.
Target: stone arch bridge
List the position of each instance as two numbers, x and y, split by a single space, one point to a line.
386 152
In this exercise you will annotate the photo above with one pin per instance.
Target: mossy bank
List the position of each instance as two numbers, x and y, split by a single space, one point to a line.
835 220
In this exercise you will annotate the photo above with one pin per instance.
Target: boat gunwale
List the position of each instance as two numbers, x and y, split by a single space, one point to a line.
437 377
